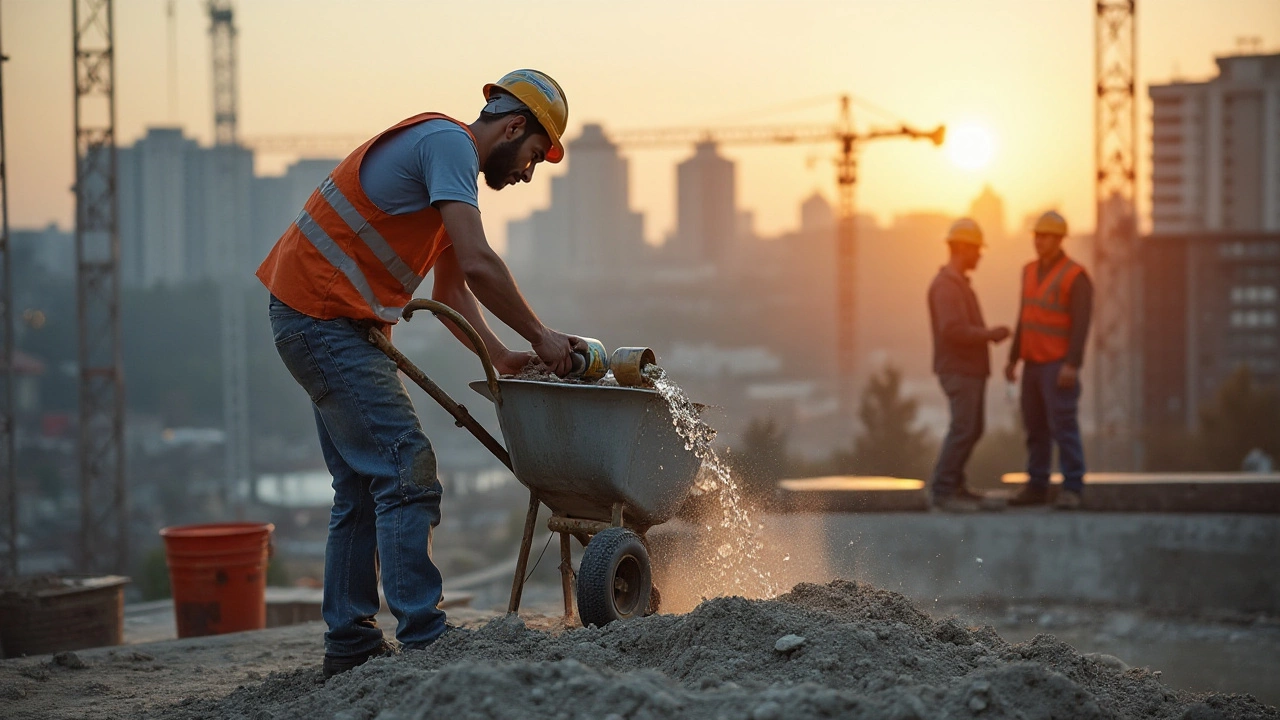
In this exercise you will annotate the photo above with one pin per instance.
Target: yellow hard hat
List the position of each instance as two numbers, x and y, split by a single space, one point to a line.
1051 223
544 97
966 231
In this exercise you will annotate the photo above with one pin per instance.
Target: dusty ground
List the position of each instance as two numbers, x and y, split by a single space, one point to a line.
837 650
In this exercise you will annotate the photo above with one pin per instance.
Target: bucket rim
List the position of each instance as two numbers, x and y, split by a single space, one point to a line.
208 530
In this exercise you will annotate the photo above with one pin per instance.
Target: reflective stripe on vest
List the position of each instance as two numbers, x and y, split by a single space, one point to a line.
361 227
339 259
344 257
1045 318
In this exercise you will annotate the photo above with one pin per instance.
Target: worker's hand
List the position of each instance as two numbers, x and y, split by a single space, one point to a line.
998 334
1011 372
554 350
1068 376
508 362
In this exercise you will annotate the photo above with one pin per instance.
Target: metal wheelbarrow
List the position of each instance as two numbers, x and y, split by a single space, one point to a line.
607 461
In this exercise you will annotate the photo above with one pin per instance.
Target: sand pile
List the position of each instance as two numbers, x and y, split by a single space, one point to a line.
839 650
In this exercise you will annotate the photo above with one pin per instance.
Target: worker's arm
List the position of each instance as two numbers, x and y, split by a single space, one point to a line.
451 289
1015 348
1080 308
491 283
948 301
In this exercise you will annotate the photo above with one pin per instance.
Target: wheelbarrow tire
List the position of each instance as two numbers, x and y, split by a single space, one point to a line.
614 578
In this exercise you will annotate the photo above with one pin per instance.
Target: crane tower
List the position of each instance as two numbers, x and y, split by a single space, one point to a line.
235 378
1115 236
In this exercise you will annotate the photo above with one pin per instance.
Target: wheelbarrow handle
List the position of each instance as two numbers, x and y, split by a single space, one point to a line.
438 309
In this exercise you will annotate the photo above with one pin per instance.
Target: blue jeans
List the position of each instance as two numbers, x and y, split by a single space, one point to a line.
1050 414
386 494
966 396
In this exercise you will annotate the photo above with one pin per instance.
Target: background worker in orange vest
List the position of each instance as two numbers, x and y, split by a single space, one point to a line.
962 361
401 205
1057 301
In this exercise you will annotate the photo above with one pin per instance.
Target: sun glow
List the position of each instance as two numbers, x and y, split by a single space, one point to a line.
970 146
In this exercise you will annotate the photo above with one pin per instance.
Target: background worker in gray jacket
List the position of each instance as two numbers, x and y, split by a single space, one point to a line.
962 363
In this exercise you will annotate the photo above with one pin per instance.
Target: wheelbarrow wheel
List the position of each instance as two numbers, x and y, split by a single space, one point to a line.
614 579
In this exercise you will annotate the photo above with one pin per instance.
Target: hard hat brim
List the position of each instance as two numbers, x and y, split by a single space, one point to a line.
556 153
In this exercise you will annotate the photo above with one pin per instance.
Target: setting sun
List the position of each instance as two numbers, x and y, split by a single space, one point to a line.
970 146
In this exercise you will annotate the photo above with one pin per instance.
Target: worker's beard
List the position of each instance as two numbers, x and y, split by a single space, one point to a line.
501 163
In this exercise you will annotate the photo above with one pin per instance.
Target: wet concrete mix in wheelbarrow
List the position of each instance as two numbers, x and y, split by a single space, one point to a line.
836 650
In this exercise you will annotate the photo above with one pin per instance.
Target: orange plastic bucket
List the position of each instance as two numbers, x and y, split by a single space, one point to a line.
218 573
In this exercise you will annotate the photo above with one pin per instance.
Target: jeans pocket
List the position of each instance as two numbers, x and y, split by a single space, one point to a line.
296 353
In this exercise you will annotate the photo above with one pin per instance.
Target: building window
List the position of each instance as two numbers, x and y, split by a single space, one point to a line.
1231 249
1253 318
1254 294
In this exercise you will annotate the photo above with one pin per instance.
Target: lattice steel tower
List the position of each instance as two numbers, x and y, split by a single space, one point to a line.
104 511
235 375
1115 240
8 427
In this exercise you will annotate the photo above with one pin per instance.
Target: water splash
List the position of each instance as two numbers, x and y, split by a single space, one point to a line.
736 562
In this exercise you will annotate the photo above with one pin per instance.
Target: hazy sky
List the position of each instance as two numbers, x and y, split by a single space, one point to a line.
1019 69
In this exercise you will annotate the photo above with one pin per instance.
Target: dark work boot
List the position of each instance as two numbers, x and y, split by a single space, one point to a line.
1068 500
954 503
337 664
1030 495
984 501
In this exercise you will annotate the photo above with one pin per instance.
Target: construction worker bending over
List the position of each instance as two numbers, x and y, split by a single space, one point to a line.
962 362
401 205
1057 300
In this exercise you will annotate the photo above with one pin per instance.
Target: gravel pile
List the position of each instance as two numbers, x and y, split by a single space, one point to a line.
836 650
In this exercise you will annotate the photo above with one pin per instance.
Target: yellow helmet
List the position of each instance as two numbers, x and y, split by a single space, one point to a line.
1051 223
966 231
544 97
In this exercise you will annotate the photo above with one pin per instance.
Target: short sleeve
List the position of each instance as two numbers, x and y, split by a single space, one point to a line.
450 166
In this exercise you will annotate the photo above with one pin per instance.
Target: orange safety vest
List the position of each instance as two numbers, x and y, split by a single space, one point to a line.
1046 319
343 257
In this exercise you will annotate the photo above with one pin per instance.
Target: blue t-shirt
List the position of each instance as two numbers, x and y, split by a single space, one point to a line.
415 167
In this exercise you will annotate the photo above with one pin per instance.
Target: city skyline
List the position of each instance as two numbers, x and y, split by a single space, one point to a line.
1038 115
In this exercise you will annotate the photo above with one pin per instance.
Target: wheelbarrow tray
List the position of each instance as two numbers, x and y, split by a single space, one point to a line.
583 448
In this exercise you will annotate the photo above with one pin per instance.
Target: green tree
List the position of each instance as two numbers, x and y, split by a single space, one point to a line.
889 442
1242 416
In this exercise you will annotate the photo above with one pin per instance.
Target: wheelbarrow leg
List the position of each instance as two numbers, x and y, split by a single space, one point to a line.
522 560
566 577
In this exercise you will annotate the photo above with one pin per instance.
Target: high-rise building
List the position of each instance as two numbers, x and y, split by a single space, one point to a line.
1216 150
185 211
988 211
49 249
1210 304
152 185
706 206
589 226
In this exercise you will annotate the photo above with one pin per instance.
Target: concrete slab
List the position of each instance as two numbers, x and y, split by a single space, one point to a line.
1173 492
1167 562
847 493
1104 492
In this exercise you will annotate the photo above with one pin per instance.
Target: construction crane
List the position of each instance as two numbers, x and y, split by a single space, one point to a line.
104 507
1116 384
235 375
843 133
846 163
7 425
